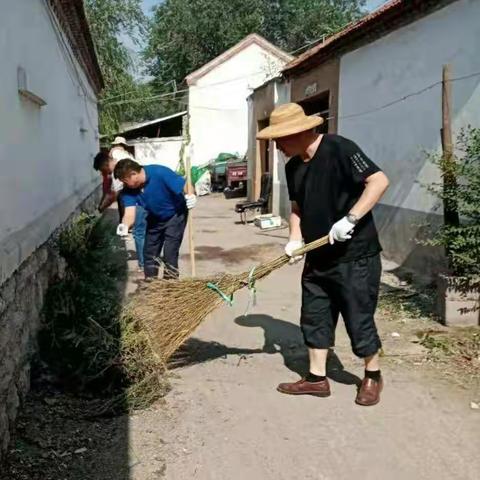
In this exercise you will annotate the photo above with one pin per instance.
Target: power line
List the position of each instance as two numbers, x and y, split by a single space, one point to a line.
405 97
322 38
200 87
138 100
326 36
132 91
164 97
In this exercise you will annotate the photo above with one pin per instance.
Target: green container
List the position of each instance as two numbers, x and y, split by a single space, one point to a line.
197 172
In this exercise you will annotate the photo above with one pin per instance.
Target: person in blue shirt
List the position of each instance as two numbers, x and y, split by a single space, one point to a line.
112 191
161 192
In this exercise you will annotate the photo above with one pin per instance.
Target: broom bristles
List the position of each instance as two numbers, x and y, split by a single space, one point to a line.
170 310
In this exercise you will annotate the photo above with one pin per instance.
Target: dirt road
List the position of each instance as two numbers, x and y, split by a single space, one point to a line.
225 420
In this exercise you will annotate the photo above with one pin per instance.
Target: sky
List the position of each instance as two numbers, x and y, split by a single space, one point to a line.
148 4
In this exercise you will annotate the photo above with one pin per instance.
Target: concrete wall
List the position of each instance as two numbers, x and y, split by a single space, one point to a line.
309 85
46 156
403 62
159 151
46 153
302 88
261 104
21 303
218 108
281 200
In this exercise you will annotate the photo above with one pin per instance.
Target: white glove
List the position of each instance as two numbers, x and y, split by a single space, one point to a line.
122 230
341 231
291 247
191 200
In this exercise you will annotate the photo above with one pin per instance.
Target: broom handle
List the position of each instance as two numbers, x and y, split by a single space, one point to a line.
311 246
261 270
191 243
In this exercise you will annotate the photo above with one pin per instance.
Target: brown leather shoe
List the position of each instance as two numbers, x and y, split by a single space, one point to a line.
302 387
369 392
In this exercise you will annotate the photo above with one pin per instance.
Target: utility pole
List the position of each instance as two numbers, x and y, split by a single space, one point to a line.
449 174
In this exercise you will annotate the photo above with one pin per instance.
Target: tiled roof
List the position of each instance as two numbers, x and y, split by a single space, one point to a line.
72 18
382 21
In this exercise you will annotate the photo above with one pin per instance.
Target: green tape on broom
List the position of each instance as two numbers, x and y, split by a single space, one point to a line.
225 297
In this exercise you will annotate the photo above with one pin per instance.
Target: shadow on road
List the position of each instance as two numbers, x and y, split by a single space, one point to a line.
195 351
286 339
280 337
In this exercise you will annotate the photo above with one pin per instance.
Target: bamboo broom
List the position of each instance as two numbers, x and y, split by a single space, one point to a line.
170 310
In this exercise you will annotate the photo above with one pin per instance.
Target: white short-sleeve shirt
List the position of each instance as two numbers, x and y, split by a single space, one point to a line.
118 154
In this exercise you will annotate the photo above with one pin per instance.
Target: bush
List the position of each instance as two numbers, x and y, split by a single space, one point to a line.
86 340
462 241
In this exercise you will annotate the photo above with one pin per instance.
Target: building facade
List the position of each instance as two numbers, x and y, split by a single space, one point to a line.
262 156
378 82
217 109
48 137
397 66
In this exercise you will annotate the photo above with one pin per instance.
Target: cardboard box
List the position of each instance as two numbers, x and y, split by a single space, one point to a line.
264 222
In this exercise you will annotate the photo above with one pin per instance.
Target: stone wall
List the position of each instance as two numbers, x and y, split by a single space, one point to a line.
21 302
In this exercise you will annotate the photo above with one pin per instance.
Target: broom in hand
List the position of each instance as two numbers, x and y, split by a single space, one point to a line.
171 310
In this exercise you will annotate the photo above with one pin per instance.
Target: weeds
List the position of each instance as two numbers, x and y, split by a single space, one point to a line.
461 343
86 340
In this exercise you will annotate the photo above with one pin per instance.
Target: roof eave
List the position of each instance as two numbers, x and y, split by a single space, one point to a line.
382 21
253 38
73 20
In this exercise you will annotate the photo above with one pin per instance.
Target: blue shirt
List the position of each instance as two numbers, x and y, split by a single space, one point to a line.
162 194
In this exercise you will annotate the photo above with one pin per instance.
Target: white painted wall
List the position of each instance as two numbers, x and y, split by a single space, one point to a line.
218 103
281 204
159 151
403 62
46 161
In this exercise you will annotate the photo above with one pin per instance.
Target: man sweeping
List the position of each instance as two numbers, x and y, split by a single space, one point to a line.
161 192
333 187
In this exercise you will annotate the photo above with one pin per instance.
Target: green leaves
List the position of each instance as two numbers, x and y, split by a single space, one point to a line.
109 20
185 34
462 242
81 337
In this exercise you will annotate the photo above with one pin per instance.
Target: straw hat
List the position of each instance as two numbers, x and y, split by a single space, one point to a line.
286 120
119 141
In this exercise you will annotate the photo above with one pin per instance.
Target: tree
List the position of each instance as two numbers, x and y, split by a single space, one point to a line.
108 20
186 34
462 241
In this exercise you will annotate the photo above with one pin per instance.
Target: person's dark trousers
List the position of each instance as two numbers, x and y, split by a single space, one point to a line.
167 236
350 289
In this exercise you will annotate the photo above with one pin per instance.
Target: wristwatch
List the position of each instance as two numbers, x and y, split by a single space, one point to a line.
352 218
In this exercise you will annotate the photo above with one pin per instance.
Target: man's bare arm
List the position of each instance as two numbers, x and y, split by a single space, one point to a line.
129 216
295 231
375 187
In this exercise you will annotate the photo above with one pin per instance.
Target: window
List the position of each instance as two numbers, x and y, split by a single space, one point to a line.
318 105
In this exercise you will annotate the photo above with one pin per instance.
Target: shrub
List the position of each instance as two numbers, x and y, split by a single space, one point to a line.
462 241
86 340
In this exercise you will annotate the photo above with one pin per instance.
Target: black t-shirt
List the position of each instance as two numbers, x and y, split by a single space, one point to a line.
325 189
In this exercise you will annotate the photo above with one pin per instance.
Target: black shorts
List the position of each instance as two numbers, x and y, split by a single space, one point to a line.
350 289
